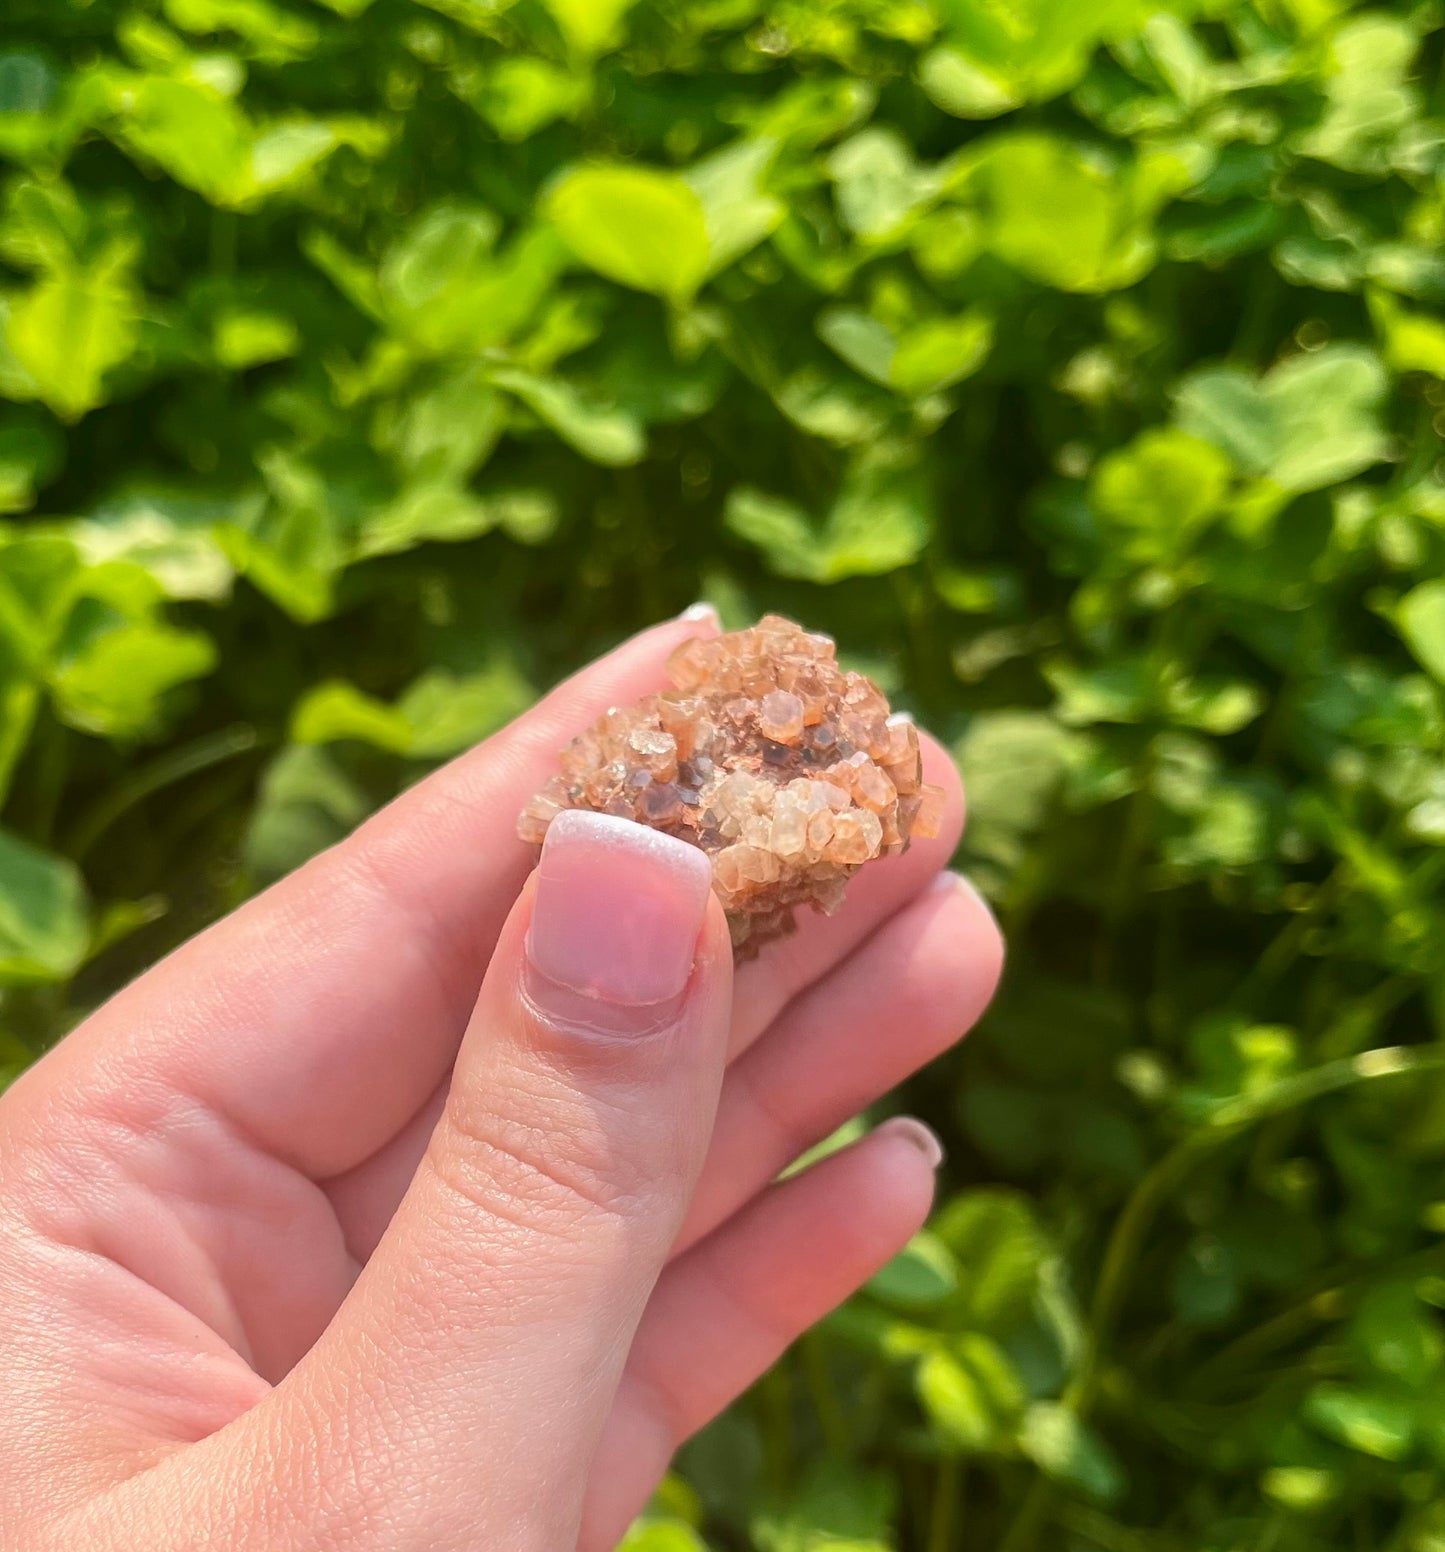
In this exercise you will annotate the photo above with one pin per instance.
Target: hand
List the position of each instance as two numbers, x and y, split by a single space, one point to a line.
307 1244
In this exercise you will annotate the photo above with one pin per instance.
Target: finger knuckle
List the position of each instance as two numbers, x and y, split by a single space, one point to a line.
557 1177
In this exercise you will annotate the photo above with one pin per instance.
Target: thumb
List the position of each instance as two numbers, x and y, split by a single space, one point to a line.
462 1387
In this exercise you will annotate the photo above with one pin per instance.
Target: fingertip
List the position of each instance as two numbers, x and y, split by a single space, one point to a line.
979 927
940 769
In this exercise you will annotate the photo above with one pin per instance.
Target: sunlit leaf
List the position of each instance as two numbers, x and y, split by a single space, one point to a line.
999 1249
1372 1422
971 1392
68 331
738 210
115 685
600 429
1065 216
1160 490
1312 420
636 225
880 187
1058 1441
591 26
1421 621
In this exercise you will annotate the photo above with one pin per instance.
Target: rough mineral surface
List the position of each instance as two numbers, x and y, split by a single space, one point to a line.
786 769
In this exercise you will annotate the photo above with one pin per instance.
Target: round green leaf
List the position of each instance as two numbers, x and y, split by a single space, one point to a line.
636 225
44 927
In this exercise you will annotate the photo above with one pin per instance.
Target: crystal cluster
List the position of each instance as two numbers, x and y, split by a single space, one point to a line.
785 768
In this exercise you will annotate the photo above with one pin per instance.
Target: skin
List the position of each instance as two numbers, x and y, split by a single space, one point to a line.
322 1235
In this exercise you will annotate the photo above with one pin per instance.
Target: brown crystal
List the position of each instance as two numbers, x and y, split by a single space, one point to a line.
785 768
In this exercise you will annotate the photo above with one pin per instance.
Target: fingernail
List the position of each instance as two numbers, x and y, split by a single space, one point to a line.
701 611
900 717
948 880
616 918
924 1138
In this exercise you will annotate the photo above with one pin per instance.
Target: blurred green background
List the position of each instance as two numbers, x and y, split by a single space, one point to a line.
366 364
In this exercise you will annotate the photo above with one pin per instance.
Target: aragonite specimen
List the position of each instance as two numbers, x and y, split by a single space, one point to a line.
785 768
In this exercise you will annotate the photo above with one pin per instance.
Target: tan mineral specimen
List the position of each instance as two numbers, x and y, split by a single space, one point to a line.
785 768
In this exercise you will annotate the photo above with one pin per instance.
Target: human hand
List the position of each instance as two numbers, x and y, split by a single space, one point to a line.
306 1244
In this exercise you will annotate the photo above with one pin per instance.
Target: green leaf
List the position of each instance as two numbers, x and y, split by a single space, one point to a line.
1157 493
1065 1448
780 529
1012 764
336 711
32 118
650 1535
168 531
867 345
964 88
522 94
70 330
1301 1488
245 338
636 225
971 1392
1028 50
1311 421
307 802
275 35
1369 105
439 715
116 685
1413 341
922 1274
197 136
935 355
999 1249
835 1508
1398 1334
1065 215
450 712
879 522
880 188
430 510
738 211
445 285
1370 1421
599 428
44 919
31 453
590 26
1420 619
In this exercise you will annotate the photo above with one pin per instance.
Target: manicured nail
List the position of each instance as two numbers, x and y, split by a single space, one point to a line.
900 717
700 612
949 880
616 919
924 1138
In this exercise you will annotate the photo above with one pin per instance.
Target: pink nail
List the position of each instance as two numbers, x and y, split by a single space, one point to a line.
912 1130
616 917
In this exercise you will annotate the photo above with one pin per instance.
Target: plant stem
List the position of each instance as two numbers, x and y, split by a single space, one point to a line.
1228 1120
831 1417
214 749
947 1499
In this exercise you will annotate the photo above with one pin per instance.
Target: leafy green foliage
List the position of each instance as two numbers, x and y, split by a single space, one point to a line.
366 364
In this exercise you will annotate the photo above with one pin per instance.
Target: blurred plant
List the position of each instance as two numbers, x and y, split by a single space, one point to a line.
365 363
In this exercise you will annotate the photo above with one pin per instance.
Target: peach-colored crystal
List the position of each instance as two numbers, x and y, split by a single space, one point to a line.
785 768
